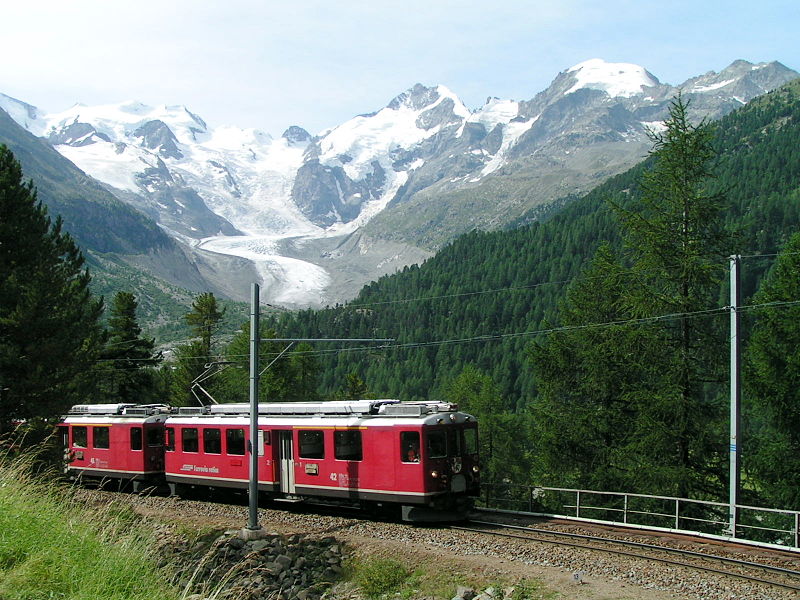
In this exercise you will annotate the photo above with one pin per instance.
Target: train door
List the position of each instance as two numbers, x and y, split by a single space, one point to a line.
286 461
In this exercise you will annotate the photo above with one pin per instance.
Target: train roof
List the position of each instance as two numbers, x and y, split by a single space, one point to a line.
389 408
386 408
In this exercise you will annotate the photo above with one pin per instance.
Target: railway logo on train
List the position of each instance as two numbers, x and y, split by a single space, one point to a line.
421 457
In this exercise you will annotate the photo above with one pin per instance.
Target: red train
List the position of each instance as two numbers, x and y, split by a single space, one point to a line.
420 456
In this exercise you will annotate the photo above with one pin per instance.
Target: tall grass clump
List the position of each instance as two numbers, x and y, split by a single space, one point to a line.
53 546
382 576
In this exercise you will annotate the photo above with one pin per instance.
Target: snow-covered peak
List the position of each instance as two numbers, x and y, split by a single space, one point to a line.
495 112
117 121
616 79
411 117
24 114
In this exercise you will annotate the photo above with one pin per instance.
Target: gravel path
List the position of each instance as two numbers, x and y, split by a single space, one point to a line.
571 572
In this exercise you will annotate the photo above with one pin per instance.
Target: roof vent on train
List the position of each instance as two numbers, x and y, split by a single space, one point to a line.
339 407
416 409
118 409
193 410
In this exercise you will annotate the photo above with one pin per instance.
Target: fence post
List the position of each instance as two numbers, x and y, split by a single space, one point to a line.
530 499
797 530
578 503
625 510
677 513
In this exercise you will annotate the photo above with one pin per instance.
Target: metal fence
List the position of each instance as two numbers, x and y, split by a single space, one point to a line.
764 526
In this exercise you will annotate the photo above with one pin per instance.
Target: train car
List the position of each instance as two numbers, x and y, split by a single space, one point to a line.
120 442
420 456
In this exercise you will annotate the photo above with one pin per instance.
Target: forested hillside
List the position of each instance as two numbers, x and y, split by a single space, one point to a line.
481 299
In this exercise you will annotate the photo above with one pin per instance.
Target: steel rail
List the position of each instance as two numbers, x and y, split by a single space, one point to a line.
652 547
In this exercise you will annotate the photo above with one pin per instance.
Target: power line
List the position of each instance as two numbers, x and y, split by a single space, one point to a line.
725 310
563 329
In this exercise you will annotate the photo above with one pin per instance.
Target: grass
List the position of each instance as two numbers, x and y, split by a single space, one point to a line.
389 579
52 547
383 576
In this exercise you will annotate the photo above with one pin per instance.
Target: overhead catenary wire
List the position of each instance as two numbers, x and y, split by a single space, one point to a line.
725 310
498 336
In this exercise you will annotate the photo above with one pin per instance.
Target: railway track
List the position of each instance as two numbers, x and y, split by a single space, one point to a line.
754 572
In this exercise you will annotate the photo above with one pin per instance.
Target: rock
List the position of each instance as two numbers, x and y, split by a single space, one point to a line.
466 593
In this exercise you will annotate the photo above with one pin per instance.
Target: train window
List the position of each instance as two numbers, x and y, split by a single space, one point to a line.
409 446
100 437
79 437
312 443
169 444
470 441
136 438
453 442
155 437
212 441
235 441
347 444
189 441
437 444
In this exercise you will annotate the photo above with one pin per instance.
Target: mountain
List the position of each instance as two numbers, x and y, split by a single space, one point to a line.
125 249
590 123
321 215
477 301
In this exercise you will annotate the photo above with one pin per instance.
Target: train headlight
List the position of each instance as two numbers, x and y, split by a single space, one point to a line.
435 474
476 469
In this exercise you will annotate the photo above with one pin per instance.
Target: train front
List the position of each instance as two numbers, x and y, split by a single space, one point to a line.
441 458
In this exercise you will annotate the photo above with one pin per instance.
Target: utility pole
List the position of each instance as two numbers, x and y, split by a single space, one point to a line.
253 529
736 396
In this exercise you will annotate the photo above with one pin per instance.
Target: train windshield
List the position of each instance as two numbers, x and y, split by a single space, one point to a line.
471 441
452 442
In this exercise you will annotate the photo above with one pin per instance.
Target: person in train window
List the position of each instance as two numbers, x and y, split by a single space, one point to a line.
409 446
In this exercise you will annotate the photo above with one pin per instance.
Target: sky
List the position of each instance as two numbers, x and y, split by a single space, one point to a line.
269 64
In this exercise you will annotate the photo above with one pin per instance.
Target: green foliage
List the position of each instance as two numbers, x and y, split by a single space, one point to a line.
772 383
188 363
506 436
49 330
128 359
277 382
587 380
381 576
527 589
354 388
51 546
635 406
204 319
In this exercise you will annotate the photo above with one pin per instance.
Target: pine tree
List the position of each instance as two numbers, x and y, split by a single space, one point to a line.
637 405
772 383
588 380
49 328
129 358
204 318
677 243
189 363
305 372
354 388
